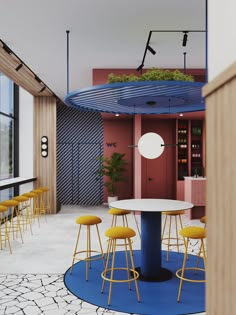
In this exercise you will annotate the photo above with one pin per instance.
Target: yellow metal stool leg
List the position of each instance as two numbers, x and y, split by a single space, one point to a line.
87 221
125 234
197 233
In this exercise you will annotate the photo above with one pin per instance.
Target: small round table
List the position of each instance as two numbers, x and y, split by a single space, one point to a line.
151 209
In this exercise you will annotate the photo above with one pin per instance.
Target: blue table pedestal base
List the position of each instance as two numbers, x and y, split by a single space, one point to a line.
164 275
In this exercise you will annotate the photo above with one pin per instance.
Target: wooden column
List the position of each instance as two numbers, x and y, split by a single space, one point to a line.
221 193
45 125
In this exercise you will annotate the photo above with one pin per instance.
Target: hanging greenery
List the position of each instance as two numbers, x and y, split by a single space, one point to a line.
153 74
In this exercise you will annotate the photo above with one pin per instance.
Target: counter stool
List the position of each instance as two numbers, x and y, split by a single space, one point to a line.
24 212
191 232
39 203
14 221
203 220
4 235
172 240
87 221
32 204
46 198
114 234
116 213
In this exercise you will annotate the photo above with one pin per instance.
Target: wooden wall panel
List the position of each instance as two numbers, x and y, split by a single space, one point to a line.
221 193
45 125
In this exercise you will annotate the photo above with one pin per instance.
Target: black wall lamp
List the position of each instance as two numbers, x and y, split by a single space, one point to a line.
44 146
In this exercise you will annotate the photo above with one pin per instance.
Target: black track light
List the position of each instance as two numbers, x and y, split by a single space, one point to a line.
43 88
151 50
19 67
140 67
185 38
7 49
37 79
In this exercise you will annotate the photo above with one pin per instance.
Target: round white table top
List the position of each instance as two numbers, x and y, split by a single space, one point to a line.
151 205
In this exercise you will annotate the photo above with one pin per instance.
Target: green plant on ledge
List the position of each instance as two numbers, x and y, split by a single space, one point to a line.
113 168
152 75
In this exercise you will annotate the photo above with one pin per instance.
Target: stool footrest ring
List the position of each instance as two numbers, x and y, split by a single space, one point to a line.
134 273
189 279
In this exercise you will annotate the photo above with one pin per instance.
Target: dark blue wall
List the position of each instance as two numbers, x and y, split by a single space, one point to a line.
79 142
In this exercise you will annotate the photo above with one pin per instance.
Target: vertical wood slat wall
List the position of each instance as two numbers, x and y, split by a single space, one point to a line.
45 125
221 193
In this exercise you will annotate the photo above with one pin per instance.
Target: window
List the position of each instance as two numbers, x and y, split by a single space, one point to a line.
9 100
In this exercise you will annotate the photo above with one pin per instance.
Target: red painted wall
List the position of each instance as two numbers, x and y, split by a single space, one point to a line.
159 175
118 135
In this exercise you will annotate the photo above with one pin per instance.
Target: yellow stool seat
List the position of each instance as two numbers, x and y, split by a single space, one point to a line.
194 232
10 203
21 198
88 220
203 219
109 273
116 211
82 253
120 232
43 188
37 191
30 194
178 212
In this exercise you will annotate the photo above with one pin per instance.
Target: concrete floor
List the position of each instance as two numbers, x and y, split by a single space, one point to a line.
31 279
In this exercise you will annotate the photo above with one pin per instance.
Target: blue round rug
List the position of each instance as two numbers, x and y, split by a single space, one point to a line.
157 298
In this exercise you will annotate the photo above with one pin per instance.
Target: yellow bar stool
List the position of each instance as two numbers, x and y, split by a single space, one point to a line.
116 213
203 220
170 239
24 212
85 254
39 202
191 232
46 198
110 272
32 204
4 235
14 221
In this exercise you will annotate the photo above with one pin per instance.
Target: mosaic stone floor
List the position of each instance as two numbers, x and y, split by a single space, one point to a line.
31 279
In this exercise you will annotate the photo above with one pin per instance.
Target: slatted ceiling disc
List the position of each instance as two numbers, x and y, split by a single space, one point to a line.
145 97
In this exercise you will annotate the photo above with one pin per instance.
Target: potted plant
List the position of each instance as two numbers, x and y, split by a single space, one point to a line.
153 74
112 168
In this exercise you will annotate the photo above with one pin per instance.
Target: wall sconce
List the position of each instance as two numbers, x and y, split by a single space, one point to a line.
44 146
151 145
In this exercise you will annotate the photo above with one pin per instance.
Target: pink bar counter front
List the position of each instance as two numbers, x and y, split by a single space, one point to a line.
195 192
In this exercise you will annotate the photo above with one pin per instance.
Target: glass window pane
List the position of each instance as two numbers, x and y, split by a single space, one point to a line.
6 147
6 95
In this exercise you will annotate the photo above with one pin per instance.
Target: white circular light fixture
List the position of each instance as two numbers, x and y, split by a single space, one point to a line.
151 145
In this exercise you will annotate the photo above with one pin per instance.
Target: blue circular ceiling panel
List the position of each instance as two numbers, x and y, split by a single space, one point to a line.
143 97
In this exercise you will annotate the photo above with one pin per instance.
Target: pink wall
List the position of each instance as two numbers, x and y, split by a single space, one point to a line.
118 135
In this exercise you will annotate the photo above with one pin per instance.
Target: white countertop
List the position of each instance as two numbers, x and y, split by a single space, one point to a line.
10 182
151 205
195 178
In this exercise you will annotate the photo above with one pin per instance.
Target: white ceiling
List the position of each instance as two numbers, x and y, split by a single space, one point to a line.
103 34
